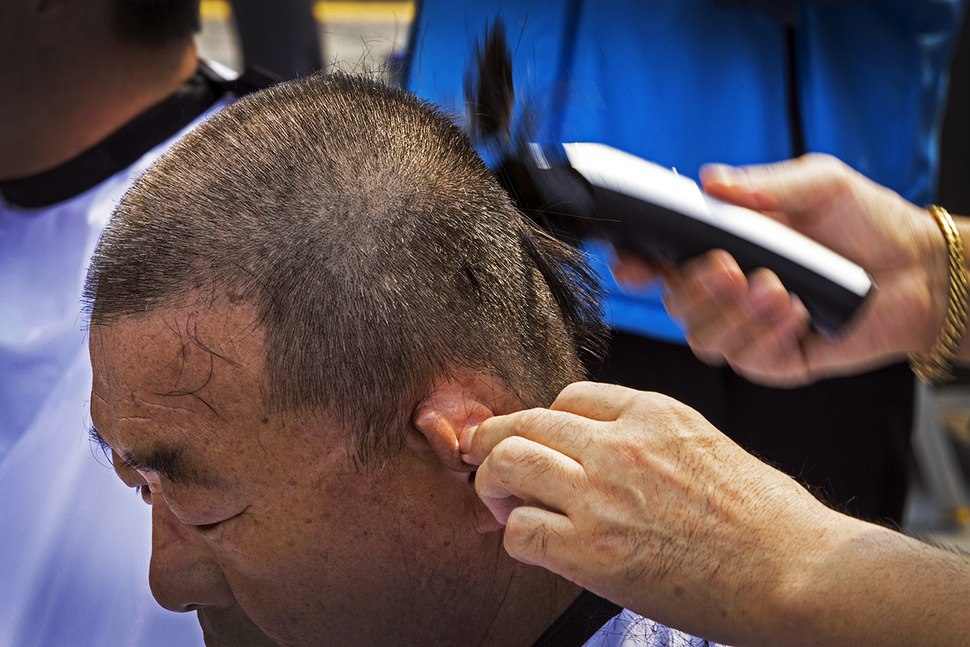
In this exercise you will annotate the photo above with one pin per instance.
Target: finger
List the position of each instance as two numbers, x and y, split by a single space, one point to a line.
549 428
739 327
777 357
712 332
563 427
763 338
520 471
709 280
700 292
536 536
594 401
791 186
767 296
630 269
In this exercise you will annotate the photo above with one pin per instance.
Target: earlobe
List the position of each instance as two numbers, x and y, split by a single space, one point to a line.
451 410
434 437
485 521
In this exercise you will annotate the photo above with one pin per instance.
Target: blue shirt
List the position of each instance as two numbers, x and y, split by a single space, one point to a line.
686 82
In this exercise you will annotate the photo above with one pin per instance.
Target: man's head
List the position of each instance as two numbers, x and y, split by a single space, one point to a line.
377 250
154 23
294 316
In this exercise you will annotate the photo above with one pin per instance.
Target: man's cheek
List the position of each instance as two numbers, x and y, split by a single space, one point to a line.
231 628
262 569
261 596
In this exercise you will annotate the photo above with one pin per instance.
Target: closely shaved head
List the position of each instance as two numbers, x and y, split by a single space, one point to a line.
378 250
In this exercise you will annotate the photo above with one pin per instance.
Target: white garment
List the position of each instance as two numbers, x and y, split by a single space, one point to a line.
74 543
631 630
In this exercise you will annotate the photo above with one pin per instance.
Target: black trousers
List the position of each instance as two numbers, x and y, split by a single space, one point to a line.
846 439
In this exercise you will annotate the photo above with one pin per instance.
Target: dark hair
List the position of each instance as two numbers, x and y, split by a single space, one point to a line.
154 23
376 245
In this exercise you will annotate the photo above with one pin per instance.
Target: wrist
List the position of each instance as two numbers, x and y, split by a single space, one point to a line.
834 583
779 588
868 585
803 591
946 294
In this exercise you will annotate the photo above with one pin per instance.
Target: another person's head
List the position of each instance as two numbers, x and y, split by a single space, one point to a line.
39 39
154 23
76 70
294 316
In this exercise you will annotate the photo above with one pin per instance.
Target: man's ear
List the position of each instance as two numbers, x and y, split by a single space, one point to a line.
453 407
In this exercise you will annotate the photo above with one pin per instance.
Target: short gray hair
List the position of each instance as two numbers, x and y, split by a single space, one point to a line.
377 247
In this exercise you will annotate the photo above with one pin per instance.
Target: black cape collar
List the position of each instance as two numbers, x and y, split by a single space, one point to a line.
580 622
122 148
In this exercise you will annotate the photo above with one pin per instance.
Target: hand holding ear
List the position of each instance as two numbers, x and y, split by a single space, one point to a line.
639 499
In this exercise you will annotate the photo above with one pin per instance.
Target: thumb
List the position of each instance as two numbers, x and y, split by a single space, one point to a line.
793 187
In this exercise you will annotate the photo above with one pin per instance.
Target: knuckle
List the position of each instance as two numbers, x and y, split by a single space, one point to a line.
525 422
574 388
504 454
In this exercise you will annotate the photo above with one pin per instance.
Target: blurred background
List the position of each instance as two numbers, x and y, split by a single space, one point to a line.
351 36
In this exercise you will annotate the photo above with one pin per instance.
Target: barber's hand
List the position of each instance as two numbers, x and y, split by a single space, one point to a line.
637 498
761 330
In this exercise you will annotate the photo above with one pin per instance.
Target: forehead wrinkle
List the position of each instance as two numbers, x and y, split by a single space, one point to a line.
169 354
140 401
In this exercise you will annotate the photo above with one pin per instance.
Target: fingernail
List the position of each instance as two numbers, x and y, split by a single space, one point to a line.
720 173
465 440
761 303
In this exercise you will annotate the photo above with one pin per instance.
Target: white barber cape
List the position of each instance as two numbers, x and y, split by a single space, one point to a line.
592 621
631 630
74 542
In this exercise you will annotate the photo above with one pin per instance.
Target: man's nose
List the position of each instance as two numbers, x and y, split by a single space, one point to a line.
183 574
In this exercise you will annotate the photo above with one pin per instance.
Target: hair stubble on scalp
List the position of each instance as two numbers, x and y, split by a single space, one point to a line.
375 244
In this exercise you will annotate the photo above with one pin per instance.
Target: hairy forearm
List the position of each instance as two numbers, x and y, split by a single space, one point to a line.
866 585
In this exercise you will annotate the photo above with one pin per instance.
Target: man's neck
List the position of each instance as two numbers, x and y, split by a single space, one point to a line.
60 115
537 602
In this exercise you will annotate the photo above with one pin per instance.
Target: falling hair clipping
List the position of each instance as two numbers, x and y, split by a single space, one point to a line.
489 91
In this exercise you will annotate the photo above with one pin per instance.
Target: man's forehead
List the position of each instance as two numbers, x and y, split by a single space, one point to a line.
145 342
175 365
169 342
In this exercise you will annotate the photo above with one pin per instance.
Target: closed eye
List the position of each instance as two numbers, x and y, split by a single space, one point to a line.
145 493
209 528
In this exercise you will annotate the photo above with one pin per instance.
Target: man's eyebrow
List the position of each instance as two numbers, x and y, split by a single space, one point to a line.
171 461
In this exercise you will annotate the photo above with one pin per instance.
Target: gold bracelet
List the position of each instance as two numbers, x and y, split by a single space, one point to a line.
937 367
